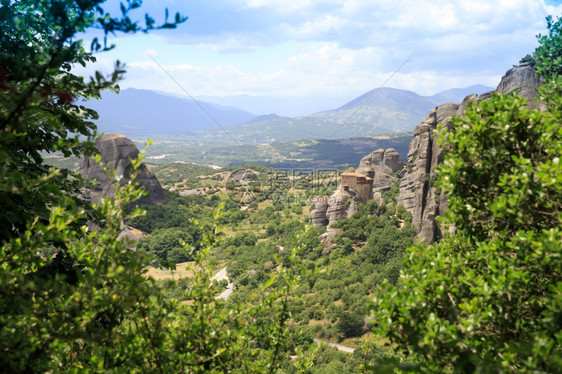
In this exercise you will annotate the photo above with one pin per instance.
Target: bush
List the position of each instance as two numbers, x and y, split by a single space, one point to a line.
350 324
170 244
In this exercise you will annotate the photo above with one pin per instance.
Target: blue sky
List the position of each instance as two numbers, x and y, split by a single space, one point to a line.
329 48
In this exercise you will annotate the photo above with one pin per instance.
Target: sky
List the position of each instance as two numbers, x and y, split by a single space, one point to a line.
327 48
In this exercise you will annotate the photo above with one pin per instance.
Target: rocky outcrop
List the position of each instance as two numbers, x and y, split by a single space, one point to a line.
417 191
384 163
327 210
418 194
380 166
523 79
116 152
338 206
318 211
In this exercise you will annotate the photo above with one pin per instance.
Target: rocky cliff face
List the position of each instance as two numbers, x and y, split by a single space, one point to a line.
418 194
116 151
523 79
327 210
384 162
417 191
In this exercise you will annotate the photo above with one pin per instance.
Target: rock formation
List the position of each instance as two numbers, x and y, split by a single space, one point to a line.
417 191
338 206
116 152
418 194
375 172
327 210
523 79
384 163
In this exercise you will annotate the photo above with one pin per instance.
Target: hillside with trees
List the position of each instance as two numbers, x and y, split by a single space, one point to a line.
75 297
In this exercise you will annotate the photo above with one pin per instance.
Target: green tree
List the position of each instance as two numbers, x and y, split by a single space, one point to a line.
42 101
87 306
489 299
350 324
169 244
548 55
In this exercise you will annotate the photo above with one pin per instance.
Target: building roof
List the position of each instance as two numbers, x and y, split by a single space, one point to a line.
357 175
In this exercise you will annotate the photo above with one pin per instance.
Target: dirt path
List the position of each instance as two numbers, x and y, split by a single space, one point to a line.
229 288
342 348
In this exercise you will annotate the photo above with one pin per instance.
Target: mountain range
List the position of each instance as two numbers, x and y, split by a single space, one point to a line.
135 112
143 113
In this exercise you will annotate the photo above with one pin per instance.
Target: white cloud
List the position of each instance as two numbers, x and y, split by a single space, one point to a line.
151 52
315 28
234 43
343 46
323 69
281 6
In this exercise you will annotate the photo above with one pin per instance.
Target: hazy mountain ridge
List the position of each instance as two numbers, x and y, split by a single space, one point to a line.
458 94
393 109
282 106
380 111
390 98
142 113
135 112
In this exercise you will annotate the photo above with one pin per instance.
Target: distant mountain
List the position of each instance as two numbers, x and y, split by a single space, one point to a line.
283 106
392 110
141 113
266 117
458 94
271 128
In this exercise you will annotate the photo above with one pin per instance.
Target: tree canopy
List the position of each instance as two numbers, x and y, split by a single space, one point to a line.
43 102
77 300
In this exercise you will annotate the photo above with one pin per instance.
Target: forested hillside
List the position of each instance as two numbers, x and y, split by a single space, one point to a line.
76 296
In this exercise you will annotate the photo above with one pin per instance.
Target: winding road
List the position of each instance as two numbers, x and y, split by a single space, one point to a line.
342 348
230 286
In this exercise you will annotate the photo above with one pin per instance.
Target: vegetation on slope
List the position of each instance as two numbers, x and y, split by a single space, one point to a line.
73 299
485 300
333 302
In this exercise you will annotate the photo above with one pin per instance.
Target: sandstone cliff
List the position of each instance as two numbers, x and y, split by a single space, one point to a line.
418 194
116 151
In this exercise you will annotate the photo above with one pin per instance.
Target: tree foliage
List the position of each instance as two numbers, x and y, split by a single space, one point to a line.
42 100
489 299
76 300
548 54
